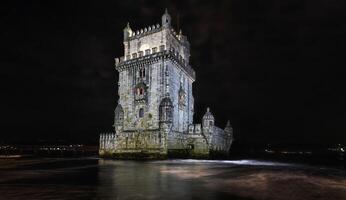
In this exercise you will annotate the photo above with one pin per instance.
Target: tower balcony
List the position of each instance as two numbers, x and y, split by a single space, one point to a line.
122 64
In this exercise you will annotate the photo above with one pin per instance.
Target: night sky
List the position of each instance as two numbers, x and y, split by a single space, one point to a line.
276 69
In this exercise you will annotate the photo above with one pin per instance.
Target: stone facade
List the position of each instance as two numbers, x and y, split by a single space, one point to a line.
154 115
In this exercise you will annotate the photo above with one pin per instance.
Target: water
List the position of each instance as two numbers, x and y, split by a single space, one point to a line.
92 178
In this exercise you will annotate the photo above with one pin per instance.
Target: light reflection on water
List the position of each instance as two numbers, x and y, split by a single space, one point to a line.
169 179
234 162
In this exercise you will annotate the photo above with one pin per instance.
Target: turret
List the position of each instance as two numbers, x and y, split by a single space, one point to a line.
166 20
228 129
127 31
208 120
208 125
229 132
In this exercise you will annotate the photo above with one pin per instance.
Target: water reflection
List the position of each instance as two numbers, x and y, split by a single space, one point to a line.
206 179
234 162
90 178
139 180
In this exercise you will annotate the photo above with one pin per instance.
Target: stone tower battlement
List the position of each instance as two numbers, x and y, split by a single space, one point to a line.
155 38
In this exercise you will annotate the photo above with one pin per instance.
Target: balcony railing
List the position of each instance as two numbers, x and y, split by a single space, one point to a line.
119 62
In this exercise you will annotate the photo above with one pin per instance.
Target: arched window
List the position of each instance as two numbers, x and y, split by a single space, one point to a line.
166 107
141 112
140 91
169 112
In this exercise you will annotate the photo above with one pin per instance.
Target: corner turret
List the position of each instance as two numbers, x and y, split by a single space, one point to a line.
208 119
166 20
228 129
127 31
229 134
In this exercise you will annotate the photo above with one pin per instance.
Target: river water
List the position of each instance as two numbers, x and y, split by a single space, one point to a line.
93 178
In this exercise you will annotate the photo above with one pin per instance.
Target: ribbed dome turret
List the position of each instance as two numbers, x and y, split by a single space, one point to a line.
208 115
208 119
228 127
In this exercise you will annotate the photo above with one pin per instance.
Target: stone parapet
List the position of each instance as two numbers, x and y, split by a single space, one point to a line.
121 64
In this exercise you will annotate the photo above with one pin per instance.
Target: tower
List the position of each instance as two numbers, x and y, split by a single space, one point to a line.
155 66
154 114
155 86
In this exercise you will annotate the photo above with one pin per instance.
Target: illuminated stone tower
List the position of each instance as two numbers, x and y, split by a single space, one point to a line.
155 66
155 107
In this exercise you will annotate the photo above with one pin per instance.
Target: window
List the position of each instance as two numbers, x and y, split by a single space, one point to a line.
140 54
210 123
134 55
140 91
147 52
141 112
181 96
142 73
169 113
